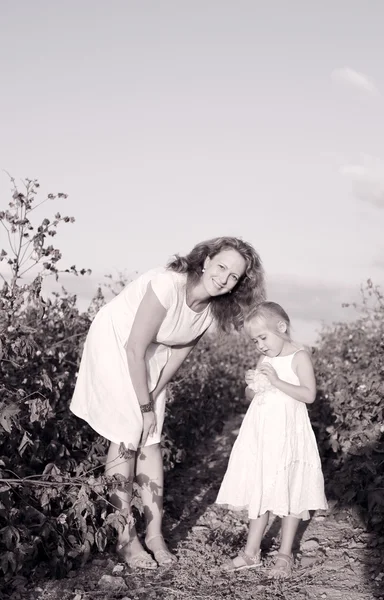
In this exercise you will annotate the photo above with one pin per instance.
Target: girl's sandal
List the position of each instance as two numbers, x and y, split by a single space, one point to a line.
282 571
140 560
242 561
163 556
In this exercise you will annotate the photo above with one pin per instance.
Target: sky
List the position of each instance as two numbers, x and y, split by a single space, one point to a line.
169 122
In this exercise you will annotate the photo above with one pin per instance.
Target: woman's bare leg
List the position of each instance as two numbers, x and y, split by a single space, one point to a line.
150 477
121 499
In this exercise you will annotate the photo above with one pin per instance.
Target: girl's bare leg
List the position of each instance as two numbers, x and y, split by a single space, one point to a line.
288 531
255 534
283 564
250 556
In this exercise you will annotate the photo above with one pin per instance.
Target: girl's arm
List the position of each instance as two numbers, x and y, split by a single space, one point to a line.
178 356
302 366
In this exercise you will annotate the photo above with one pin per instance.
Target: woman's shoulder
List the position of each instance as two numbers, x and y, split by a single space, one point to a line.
161 274
168 277
167 285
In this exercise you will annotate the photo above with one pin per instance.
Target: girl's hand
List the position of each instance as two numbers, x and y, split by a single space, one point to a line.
149 426
249 393
249 375
269 372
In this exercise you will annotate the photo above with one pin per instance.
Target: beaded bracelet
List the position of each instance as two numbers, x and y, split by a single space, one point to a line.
146 407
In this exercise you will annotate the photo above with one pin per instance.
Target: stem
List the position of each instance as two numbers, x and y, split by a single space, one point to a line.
28 269
40 203
11 482
71 337
27 244
9 237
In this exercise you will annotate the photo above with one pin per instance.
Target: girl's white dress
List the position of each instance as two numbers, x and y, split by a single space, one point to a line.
104 395
274 465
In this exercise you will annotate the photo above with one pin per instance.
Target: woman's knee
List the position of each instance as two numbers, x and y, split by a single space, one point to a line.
149 452
118 463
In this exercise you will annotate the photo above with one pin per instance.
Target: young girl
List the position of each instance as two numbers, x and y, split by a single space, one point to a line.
274 465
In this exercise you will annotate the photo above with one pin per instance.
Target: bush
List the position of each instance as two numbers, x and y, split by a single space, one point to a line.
348 414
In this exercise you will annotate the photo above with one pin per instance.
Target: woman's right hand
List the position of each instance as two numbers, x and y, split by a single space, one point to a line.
149 426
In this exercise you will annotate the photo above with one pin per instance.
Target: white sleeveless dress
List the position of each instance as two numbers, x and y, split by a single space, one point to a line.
104 395
274 465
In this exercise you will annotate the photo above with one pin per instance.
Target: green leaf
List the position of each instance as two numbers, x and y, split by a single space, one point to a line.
8 416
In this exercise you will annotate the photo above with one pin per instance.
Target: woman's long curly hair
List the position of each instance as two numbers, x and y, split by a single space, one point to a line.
228 309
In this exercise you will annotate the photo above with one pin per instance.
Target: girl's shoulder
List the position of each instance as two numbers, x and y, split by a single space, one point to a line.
302 357
299 349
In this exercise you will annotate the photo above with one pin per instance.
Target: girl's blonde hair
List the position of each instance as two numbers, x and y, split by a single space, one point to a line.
268 310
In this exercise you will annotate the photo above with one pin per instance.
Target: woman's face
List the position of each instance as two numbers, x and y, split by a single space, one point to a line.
223 271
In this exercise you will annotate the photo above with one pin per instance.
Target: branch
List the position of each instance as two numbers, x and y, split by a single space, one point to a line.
40 203
27 244
28 269
9 237
11 482
71 337
21 232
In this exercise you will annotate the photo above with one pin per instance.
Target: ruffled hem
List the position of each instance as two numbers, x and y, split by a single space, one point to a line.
294 490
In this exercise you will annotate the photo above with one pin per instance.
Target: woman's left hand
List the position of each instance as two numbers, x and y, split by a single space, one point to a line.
269 372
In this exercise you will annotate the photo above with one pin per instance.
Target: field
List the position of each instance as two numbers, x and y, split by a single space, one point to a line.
57 532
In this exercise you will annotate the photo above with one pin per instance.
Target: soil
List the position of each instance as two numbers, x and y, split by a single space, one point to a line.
335 556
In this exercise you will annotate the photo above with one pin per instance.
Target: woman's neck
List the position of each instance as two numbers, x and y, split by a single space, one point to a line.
196 295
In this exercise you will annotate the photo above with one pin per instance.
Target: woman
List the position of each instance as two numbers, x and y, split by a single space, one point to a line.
134 347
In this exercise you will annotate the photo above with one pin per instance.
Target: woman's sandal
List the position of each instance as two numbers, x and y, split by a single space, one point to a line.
140 560
242 561
163 556
284 570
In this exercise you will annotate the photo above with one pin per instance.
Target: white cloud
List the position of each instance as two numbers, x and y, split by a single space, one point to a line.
367 179
356 79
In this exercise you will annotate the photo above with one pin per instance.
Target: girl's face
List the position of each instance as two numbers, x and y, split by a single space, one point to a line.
222 272
266 336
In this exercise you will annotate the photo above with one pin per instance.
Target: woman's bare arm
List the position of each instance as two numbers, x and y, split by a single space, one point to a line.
178 356
146 324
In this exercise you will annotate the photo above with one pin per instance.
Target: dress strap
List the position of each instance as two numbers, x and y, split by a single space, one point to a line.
298 350
294 354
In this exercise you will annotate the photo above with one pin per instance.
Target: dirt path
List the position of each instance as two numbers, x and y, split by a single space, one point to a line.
335 558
